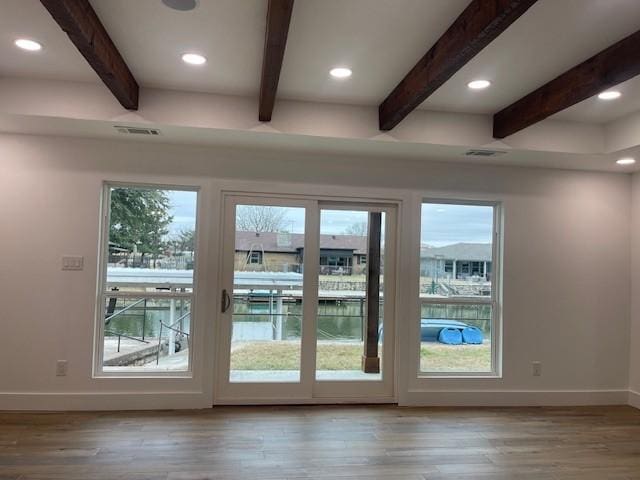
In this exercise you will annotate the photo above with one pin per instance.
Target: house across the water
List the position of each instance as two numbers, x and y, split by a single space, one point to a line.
284 252
459 261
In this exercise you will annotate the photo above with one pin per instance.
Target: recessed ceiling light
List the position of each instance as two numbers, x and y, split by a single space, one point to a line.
193 59
609 95
478 84
626 161
181 5
340 72
29 45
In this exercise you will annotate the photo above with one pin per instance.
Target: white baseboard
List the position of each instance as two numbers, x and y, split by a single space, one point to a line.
104 401
515 398
305 401
198 400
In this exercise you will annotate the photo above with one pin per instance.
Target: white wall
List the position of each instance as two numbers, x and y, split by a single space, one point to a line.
634 358
566 268
169 108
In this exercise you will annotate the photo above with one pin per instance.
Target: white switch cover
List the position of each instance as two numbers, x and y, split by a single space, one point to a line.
61 368
72 262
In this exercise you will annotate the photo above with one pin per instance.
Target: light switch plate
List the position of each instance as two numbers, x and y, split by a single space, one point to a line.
61 368
536 369
72 262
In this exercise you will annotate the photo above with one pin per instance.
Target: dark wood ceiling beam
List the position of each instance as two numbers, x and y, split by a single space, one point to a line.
80 22
478 25
612 66
275 42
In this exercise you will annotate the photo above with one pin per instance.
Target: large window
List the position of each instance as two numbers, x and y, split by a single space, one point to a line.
458 291
146 297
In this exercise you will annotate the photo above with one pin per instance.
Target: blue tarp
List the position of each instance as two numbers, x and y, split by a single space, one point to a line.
450 336
472 335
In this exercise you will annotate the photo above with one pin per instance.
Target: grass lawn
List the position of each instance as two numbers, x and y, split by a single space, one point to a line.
286 356
335 356
438 357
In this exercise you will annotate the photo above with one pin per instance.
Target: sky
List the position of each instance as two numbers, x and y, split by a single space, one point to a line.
444 224
332 222
441 224
183 210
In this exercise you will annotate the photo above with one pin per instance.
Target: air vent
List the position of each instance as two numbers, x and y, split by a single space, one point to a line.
136 130
181 5
484 153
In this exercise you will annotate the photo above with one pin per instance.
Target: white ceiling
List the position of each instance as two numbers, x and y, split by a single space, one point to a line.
550 38
152 38
58 60
379 39
594 110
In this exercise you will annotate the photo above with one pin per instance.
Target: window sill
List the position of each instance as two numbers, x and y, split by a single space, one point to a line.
143 375
457 376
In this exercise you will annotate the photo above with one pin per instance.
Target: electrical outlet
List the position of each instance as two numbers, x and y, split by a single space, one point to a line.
536 369
61 368
72 262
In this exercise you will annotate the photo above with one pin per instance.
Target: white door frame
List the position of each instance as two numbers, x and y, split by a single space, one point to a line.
308 390
257 392
367 389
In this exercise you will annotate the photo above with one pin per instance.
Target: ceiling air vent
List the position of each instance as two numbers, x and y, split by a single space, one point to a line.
484 153
137 130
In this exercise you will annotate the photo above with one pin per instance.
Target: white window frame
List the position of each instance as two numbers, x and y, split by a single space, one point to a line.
495 300
102 294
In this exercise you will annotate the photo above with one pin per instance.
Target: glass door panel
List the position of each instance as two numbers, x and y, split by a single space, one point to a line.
350 295
267 293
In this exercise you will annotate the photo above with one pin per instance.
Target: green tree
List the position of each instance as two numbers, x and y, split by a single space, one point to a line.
140 219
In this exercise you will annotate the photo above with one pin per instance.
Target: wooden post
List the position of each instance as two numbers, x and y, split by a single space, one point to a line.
370 358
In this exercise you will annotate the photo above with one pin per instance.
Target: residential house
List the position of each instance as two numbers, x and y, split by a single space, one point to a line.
459 261
284 252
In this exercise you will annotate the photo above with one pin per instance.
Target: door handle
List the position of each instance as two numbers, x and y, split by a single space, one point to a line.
226 301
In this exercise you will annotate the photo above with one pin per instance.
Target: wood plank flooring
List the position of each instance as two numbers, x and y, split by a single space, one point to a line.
348 443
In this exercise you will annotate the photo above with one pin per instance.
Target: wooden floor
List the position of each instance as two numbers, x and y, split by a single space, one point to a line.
348 443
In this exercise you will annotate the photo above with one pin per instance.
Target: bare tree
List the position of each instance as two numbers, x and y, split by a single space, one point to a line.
259 218
185 241
359 229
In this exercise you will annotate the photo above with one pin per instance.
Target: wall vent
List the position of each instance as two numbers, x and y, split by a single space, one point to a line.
136 130
484 153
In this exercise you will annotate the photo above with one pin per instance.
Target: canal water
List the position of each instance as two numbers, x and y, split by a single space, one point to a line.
337 320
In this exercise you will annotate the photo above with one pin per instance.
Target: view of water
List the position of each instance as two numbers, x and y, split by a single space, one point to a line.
336 320
144 318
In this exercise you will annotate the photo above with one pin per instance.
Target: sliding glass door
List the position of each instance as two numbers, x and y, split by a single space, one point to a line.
307 301
353 345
